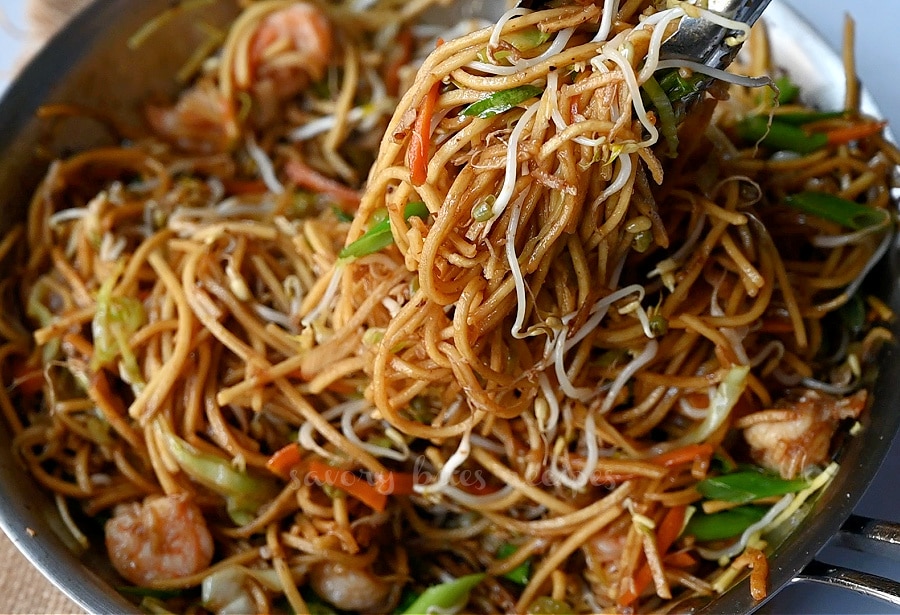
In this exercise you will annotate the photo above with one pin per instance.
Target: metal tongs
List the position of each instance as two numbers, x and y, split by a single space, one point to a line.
701 40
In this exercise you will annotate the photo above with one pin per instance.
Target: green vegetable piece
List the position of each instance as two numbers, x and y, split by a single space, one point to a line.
743 487
527 39
341 215
847 213
725 524
116 320
379 235
853 313
521 573
800 118
445 596
500 102
545 605
243 492
668 125
780 136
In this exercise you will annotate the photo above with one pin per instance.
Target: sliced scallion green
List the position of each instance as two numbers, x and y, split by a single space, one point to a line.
379 235
439 598
725 524
850 214
501 101
780 136
743 487
521 573
808 117
668 125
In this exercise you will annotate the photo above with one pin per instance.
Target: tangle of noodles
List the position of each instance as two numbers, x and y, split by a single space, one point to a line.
347 322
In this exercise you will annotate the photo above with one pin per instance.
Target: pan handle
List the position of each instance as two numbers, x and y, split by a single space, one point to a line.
869 536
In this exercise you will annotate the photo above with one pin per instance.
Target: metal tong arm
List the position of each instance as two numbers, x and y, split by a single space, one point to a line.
703 41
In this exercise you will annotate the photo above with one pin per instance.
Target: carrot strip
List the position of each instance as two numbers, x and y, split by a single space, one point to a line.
686 454
839 136
284 460
395 483
666 533
417 153
306 177
348 482
679 559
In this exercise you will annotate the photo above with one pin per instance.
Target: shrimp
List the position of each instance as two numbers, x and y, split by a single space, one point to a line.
798 433
164 537
290 48
201 121
350 589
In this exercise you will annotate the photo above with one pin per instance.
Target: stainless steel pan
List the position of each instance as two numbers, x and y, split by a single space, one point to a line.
89 63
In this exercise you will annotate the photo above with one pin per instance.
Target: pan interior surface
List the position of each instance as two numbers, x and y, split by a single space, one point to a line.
99 71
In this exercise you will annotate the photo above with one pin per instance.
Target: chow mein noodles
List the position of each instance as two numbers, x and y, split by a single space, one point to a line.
380 316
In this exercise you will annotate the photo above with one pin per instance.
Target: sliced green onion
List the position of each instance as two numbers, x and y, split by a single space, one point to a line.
847 213
808 117
341 215
446 596
725 524
743 487
501 101
780 136
678 87
379 235
853 313
668 125
521 573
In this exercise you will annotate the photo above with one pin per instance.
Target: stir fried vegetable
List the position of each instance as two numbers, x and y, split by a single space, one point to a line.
500 102
724 524
244 493
444 597
521 573
836 209
379 236
743 487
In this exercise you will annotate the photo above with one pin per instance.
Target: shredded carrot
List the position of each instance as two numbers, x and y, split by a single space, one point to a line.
348 482
306 177
839 136
666 533
395 483
679 559
417 154
284 460
686 454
